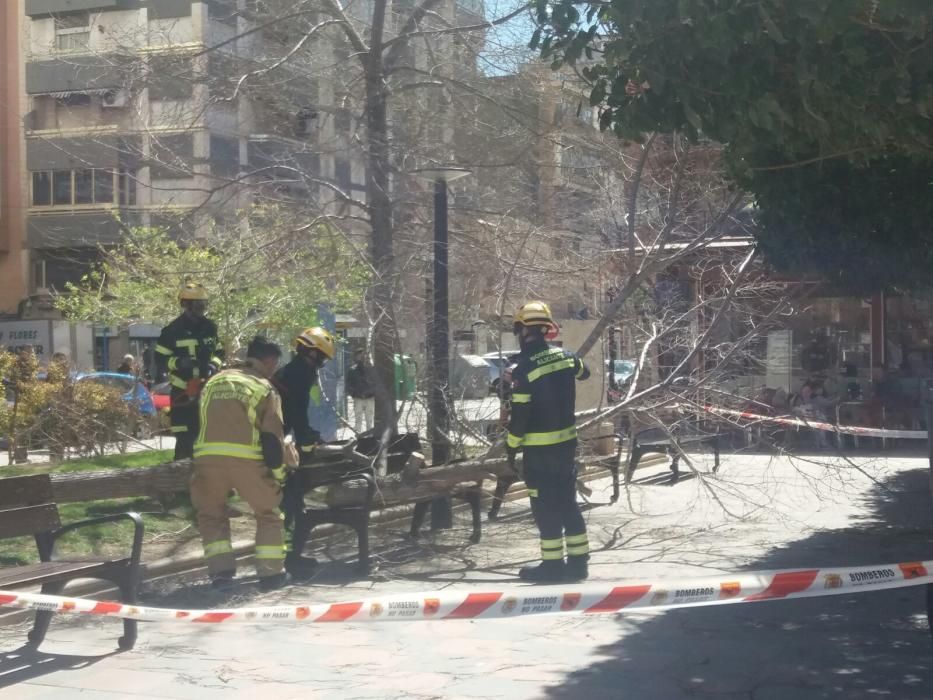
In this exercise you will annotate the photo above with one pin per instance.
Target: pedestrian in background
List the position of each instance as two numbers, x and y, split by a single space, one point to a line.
360 389
128 366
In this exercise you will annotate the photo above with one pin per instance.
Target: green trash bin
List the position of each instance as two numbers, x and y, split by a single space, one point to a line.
406 372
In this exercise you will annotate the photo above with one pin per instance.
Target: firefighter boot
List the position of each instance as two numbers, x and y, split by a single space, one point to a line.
301 568
576 568
548 571
274 582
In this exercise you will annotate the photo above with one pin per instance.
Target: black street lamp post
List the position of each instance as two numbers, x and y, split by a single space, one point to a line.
439 341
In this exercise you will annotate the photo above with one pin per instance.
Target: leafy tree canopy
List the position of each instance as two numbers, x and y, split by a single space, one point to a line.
860 228
803 78
269 278
823 107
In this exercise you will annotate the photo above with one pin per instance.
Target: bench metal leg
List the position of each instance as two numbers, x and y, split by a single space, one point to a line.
474 498
675 466
362 539
417 520
633 460
300 535
43 617
128 591
503 484
715 454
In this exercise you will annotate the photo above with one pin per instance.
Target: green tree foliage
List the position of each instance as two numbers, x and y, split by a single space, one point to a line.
786 85
861 228
55 411
266 278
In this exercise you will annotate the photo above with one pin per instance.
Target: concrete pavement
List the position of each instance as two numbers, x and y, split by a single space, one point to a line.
758 513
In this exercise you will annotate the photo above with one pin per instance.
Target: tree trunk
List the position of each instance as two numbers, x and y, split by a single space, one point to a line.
380 216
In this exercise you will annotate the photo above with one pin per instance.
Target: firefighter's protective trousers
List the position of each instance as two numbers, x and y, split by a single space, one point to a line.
236 406
551 478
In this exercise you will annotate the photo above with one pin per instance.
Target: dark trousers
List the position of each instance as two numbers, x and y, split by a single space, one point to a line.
185 423
551 477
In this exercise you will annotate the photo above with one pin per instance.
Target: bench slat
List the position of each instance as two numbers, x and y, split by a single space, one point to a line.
33 574
16 522
18 491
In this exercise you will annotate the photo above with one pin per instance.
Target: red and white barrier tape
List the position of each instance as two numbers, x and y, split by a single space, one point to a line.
817 425
529 600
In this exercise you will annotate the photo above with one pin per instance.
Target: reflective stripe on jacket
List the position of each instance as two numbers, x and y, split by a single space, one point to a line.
236 406
188 338
544 397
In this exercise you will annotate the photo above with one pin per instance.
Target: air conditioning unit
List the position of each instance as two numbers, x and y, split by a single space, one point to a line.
114 98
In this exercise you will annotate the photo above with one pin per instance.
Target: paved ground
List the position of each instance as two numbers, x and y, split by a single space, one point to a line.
760 513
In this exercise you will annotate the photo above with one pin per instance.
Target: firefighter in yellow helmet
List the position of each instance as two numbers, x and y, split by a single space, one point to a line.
240 446
297 382
188 351
542 426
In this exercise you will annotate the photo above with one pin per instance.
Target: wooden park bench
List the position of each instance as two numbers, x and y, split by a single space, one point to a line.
27 508
609 462
658 441
357 493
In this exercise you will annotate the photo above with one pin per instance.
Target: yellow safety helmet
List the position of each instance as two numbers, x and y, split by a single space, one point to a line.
192 291
318 339
535 313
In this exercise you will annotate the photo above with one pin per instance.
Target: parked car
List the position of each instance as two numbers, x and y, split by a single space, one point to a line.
498 363
619 375
133 391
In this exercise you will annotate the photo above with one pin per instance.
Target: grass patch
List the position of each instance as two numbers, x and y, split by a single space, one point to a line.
106 539
147 458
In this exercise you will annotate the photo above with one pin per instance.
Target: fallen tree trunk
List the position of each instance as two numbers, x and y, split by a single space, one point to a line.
164 480
173 477
160 480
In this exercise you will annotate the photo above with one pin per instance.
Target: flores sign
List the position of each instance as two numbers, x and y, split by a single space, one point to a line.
16 336
76 340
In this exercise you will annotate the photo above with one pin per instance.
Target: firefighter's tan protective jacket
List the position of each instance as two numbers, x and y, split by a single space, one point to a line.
236 406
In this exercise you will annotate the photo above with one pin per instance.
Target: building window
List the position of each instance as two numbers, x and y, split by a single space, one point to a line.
103 186
38 275
65 188
84 186
61 187
342 174
41 189
73 31
127 187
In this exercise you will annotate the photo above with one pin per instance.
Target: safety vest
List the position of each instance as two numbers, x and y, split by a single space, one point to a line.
229 415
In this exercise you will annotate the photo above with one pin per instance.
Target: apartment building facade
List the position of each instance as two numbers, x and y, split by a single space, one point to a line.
13 260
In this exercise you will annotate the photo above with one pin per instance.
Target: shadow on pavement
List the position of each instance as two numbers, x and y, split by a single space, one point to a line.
26 663
862 646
